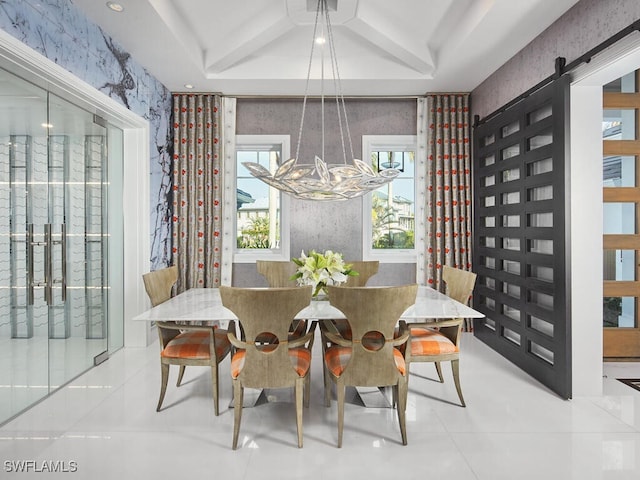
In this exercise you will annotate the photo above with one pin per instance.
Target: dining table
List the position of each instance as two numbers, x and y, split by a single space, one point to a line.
197 305
205 304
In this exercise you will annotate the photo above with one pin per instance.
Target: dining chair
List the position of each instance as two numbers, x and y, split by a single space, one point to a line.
278 275
184 345
439 340
374 356
282 363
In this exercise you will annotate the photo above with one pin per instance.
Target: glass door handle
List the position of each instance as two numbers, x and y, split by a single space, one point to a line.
30 280
63 269
48 270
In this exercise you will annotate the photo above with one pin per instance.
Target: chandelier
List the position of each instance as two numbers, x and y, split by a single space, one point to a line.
319 180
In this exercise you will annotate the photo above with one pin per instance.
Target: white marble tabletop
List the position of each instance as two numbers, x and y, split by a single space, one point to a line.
204 304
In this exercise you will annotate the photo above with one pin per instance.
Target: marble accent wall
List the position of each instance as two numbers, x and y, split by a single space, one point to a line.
327 225
62 33
587 24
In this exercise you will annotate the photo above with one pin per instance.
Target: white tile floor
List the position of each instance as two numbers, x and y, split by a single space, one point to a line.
512 429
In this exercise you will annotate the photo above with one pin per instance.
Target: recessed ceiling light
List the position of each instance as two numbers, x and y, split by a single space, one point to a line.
116 7
188 85
47 125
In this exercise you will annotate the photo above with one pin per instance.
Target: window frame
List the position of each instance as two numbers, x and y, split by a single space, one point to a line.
250 255
374 143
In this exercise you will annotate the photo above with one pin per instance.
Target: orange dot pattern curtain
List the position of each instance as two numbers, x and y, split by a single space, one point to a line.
448 199
197 190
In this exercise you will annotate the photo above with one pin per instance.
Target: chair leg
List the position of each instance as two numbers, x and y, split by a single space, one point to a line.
401 390
238 394
214 385
164 369
327 384
180 375
455 368
439 370
340 390
300 386
307 389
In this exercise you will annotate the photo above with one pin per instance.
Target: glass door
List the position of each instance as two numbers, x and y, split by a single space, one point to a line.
53 242
621 196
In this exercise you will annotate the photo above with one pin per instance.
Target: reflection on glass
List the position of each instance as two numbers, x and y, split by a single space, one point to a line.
619 218
541 166
490 201
540 114
542 220
619 265
511 151
541 326
544 247
511 267
540 272
540 140
489 242
619 124
619 171
619 312
511 244
511 221
489 160
513 127
510 175
510 198
537 194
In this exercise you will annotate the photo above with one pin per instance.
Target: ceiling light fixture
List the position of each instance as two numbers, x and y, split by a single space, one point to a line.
188 86
320 180
116 7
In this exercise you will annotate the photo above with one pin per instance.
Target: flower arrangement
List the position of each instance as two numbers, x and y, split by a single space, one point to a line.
321 269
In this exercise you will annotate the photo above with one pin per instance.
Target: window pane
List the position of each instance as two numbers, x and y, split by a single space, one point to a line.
257 204
393 204
619 312
619 171
619 265
619 218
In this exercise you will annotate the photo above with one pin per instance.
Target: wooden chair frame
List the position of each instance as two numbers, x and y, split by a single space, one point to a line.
372 362
159 286
269 311
459 285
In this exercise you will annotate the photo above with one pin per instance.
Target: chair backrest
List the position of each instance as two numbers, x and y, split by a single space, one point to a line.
459 283
159 284
278 274
365 269
262 310
372 309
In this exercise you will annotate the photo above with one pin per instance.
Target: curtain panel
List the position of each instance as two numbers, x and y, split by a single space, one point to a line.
448 195
197 190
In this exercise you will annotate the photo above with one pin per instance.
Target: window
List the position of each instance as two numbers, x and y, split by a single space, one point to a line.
261 212
389 212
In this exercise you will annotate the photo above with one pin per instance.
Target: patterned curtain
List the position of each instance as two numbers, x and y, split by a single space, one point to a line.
197 199
448 195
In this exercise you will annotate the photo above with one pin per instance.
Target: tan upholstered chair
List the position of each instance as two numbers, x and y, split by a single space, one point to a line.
278 274
184 345
439 340
366 270
279 364
374 356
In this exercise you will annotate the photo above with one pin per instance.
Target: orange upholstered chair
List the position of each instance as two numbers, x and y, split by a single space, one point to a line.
439 340
184 345
284 362
373 356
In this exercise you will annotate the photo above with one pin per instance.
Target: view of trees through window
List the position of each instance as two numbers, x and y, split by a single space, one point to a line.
258 205
393 204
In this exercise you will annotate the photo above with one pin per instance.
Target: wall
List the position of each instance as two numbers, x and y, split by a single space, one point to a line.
327 225
62 33
584 26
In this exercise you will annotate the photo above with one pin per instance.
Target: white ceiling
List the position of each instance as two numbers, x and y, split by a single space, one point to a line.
384 47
